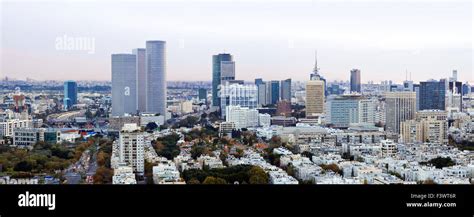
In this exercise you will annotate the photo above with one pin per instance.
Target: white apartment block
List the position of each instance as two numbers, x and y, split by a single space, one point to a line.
123 175
7 126
166 173
131 147
242 117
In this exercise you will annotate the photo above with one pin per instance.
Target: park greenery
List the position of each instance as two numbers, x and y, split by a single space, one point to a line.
43 158
166 146
243 174
440 162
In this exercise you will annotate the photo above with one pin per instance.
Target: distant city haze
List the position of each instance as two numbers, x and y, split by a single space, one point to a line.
269 40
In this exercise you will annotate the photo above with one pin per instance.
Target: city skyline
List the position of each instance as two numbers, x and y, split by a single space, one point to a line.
344 33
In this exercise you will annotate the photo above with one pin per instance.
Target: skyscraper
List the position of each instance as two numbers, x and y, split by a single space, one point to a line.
285 87
140 54
400 106
274 92
216 75
227 71
124 84
314 98
202 93
262 93
355 80
432 95
156 77
70 94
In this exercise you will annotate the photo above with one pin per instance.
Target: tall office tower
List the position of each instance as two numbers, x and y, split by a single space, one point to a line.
314 98
156 77
202 93
285 88
262 93
227 71
131 147
432 95
274 92
237 94
355 80
216 75
399 107
258 81
315 74
140 54
416 88
124 84
455 75
466 89
70 94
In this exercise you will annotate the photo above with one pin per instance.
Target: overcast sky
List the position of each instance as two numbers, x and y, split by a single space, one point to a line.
268 39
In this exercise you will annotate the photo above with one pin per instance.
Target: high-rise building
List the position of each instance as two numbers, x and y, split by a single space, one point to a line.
156 77
345 110
238 94
416 88
285 88
355 81
140 54
262 93
70 94
124 84
432 95
227 71
258 81
274 92
399 107
466 89
455 76
242 117
315 98
428 126
131 147
216 75
202 92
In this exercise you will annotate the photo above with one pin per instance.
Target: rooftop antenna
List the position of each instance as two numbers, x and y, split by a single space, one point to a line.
406 74
316 69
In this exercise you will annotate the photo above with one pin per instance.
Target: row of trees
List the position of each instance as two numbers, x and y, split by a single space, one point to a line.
43 158
104 173
243 174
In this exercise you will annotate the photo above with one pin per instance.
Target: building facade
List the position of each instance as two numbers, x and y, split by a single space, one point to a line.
216 75
124 84
399 107
70 94
315 95
140 54
156 77
355 81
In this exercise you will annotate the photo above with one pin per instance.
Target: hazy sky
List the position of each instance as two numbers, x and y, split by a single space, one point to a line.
269 39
